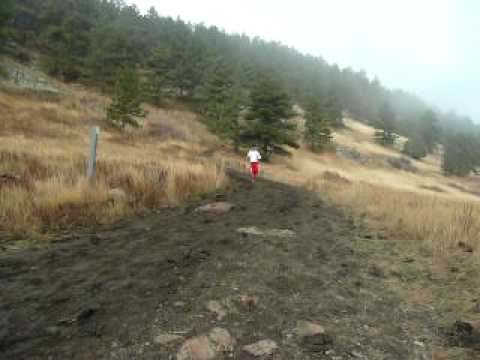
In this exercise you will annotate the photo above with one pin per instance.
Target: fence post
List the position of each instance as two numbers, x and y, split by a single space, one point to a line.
92 162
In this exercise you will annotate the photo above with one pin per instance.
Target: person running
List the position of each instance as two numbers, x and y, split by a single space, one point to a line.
254 158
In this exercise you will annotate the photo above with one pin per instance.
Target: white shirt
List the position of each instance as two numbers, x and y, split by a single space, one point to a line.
254 156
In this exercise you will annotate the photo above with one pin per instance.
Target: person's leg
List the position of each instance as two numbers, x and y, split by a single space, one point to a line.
254 170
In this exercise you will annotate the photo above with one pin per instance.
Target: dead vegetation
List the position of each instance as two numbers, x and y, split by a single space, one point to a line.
421 207
43 156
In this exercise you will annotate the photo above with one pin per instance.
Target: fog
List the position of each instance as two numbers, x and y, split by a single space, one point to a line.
429 47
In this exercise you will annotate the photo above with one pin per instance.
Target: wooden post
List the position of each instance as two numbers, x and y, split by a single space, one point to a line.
92 162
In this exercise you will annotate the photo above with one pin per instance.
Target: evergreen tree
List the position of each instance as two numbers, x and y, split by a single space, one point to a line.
415 148
161 82
126 108
91 40
429 130
385 133
332 110
6 13
317 131
221 101
65 41
461 154
267 121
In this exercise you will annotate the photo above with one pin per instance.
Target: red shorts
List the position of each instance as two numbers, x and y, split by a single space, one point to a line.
255 167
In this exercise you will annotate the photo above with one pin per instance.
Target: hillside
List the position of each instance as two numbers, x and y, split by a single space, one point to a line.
344 255
401 196
44 144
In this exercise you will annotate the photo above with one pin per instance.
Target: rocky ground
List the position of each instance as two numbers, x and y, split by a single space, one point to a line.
280 275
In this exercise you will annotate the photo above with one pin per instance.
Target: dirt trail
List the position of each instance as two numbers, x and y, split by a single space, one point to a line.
109 295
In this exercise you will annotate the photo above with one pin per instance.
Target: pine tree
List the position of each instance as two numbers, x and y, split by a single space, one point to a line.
65 41
317 130
385 134
126 108
332 110
461 154
161 83
6 13
267 121
220 101
429 130
415 147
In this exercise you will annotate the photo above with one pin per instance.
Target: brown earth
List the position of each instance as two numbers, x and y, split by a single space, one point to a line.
110 294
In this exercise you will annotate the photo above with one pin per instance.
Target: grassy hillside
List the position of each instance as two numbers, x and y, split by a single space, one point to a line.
415 203
44 147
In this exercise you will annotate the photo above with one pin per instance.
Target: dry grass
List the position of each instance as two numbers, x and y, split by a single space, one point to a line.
46 144
423 208
439 222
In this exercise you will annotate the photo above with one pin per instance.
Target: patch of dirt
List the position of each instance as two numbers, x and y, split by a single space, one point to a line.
116 293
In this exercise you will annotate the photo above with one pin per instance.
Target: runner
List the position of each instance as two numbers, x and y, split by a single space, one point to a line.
254 158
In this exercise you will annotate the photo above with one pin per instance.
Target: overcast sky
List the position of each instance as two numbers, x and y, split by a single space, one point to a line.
429 47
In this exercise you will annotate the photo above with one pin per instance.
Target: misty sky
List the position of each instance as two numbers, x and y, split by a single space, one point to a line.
429 47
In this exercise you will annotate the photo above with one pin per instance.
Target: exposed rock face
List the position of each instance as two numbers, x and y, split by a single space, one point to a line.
31 80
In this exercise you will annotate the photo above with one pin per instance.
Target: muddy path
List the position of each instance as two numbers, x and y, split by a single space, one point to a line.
114 294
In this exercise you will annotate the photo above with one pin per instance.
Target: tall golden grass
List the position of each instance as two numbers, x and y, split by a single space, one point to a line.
45 145
437 222
422 208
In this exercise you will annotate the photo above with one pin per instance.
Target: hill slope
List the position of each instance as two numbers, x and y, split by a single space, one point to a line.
377 275
44 144
140 289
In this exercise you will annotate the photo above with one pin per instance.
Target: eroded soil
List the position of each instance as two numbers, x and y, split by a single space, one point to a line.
110 294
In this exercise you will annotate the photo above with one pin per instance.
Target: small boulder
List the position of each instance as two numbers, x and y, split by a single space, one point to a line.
117 195
207 347
279 233
165 339
217 208
222 340
251 230
261 348
199 348
217 308
307 328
